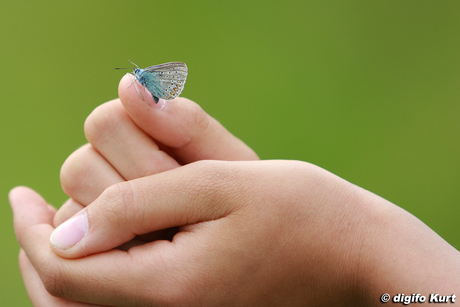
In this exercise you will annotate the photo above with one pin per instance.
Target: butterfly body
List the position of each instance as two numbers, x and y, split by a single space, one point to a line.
164 81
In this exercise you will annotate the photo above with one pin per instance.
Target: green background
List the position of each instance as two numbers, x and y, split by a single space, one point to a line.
366 89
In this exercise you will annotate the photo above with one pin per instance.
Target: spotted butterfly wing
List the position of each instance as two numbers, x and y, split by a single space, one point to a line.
164 81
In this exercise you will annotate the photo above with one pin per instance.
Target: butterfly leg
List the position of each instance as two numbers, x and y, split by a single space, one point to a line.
133 78
135 85
140 95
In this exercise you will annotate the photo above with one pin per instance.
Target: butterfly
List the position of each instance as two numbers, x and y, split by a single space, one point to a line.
164 81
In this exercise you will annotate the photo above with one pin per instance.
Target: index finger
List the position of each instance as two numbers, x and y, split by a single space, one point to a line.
184 127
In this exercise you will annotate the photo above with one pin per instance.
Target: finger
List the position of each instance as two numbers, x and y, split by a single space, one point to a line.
30 210
32 219
74 280
86 174
123 144
184 127
35 289
67 210
169 199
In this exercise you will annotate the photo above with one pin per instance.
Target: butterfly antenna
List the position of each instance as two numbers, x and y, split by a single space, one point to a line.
128 67
133 63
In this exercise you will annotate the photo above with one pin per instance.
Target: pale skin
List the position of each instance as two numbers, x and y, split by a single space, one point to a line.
246 232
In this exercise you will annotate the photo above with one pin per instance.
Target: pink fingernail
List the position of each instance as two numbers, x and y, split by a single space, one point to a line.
70 232
160 105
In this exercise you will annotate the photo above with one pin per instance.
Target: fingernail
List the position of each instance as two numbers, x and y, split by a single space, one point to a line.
70 232
160 105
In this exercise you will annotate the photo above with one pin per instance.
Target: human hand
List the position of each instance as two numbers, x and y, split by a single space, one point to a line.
131 138
261 233
330 242
245 227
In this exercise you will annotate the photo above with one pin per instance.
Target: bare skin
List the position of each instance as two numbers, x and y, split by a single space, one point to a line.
247 232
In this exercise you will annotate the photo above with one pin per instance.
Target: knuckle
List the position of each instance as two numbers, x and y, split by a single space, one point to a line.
73 170
106 117
200 119
117 204
196 118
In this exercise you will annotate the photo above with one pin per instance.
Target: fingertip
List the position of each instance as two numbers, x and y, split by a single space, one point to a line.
125 82
20 194
133 94
126 87
29 207
16 190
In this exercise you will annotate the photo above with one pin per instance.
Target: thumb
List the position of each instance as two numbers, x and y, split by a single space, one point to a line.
173 198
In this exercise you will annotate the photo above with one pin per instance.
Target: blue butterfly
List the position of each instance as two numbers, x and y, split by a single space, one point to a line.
164 81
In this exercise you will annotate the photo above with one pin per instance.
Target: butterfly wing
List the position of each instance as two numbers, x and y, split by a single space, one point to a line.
164 81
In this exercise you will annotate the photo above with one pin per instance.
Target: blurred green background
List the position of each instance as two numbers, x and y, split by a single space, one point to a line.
369 90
